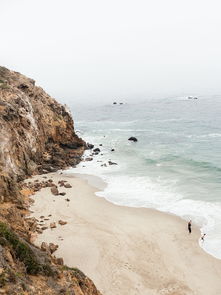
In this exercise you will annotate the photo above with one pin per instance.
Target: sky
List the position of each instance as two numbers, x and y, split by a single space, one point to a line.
99 50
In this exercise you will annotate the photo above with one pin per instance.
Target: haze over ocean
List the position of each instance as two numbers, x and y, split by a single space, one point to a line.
174 167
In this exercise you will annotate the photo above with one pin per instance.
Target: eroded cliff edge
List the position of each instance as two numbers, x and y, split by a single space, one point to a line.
36 136
37 133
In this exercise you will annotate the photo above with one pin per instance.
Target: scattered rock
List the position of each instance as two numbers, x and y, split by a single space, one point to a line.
42 217
52 247
44 247
100 144
44 228
68 200
89 146
112 163
60 261
67 185
62 194
88 159
133 139
53 225
112 150
61 222
114 102
97 150
54 191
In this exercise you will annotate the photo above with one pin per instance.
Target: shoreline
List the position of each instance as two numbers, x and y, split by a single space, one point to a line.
124 248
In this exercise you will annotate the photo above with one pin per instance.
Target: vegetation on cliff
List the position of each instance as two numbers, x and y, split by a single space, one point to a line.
36 136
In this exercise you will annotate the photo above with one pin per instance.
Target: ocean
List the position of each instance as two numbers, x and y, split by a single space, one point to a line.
175 166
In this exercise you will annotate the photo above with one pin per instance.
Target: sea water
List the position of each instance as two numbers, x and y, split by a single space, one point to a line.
175 166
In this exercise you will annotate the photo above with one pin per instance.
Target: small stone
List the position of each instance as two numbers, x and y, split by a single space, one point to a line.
67 200
97 150
44 246
44 228
61 222
60 261
67 185
54 191
53 225
62 194
52 247
112 163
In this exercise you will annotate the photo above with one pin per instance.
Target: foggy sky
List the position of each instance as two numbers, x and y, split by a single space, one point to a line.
98 49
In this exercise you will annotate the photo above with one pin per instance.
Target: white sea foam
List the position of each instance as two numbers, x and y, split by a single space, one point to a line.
175 165
143 192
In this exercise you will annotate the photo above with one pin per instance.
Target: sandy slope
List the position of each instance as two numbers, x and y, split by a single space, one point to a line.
125 251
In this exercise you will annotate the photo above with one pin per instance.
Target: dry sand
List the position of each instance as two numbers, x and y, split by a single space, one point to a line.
125 251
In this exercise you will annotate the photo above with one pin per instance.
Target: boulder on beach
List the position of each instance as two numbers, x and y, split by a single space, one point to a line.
132 138
53 225
61 222
67 185
54 191
52 247
60 261
97 150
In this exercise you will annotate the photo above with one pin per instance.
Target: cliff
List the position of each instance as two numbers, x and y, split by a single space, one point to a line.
36 136
37 133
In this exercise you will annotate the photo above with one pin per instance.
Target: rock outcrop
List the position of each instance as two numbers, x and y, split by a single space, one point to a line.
36 136
37 133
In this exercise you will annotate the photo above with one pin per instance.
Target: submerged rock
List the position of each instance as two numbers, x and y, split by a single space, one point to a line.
133 139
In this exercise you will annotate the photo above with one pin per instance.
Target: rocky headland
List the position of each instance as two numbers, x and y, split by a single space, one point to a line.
37 136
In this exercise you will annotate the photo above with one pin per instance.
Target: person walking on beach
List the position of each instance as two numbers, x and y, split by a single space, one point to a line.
189 226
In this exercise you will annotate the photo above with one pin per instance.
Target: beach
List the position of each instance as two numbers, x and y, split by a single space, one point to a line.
124 250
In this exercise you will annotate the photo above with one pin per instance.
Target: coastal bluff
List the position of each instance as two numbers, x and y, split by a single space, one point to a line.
37 133
36 137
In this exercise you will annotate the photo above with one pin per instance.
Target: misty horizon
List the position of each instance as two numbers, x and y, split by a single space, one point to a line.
122 50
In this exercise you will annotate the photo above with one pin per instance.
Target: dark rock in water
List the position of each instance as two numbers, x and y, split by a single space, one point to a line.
100 144
114 102
112 150
133 139
89 146
96 150
96 153
54 191
112 163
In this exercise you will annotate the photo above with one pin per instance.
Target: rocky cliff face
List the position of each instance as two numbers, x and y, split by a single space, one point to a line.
36 136
37 133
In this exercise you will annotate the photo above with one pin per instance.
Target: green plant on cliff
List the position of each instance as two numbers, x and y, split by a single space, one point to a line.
23 252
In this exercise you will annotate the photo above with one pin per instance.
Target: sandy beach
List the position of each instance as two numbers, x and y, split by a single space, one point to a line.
125 251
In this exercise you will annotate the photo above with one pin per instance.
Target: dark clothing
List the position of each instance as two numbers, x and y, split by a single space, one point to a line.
189 227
